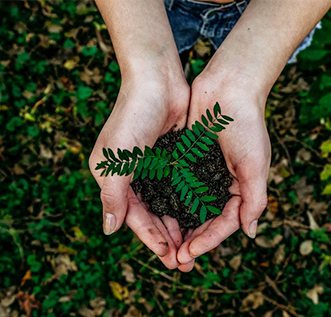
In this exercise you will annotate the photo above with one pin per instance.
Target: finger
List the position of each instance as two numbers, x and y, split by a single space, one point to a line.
170 259
139 220
186 267
209 236
184 255
171 225
222 227
254 195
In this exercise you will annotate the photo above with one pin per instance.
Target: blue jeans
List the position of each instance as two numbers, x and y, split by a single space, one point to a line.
191 20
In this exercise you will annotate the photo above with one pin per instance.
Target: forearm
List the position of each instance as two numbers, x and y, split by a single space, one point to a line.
141 36
264 38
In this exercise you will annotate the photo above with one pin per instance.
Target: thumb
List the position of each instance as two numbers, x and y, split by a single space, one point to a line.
114 198
114 195
254 201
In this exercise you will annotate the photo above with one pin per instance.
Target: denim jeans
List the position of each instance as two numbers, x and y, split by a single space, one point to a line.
191 20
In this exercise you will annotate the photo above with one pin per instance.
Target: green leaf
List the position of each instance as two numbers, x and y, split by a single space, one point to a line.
207 140
140 164
183 192
210 117
208 198
105 153
187 201
117 169
214 210
191 158
125 168
201 190
147 161
190 135
164 153
103 172
200 126
195 129
222 121
211 135
159 174
203 213
154 163
108 170
189 198
204 120
183 163
101 165
121 155
216 125
166 171
137 151
128 153
203 146
186 141
197 184
195 205
175 174
144 173
148 151
180 186
89 50
326 173
327 190
197 152
175 155
152 173
137 172
176 181
217 109
181 147
112 155
131 167
227 118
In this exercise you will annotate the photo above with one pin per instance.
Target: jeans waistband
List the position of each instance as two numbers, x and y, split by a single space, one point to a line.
213 6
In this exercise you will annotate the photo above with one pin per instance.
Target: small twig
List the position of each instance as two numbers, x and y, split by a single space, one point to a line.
280 306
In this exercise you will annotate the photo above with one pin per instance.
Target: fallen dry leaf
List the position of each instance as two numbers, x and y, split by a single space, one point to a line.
119 291
235 262
252 301
279 256
314 292
312 222
264 242
128 273
306 247
27 302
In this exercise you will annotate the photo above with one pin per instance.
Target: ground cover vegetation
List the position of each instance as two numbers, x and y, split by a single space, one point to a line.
58 82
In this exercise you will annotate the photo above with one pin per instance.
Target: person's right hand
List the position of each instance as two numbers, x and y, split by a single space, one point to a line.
146 108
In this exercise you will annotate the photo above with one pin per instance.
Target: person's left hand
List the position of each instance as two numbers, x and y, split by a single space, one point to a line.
246 148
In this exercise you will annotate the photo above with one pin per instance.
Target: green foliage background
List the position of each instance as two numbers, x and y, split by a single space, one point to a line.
59 80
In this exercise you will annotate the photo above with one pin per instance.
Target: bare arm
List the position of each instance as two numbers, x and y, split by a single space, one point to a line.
240 76
141 35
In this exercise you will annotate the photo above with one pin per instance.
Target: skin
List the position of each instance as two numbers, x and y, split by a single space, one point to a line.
154 97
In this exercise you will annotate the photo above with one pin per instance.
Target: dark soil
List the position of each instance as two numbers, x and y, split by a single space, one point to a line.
161 196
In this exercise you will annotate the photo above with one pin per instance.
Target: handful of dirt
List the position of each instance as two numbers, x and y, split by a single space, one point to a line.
164 200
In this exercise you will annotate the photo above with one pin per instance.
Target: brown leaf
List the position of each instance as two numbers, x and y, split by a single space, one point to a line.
128 273
314 292
26 277
312 222
27 302
272 204
264 242
306 247
252 301
279 256
235 262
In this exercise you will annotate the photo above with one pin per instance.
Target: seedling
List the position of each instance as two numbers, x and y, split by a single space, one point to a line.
159 163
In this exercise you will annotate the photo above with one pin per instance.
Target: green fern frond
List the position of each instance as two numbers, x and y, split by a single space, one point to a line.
159 164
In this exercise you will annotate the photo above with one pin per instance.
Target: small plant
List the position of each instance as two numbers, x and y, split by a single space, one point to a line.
159 163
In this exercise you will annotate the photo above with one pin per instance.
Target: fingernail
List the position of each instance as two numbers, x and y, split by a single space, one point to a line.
109 224
193 256
252 229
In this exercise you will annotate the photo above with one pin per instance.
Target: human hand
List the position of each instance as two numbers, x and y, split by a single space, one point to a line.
246 148
145 109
